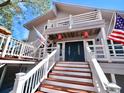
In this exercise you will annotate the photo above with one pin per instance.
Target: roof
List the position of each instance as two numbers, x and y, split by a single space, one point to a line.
68 8
4 31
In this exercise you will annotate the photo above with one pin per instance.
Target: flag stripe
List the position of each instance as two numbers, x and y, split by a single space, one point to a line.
116 40
118 31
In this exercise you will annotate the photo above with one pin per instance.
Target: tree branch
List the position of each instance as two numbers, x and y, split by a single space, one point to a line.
5 3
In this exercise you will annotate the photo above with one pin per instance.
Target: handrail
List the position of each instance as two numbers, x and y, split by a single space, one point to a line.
12 47
99 79
28 83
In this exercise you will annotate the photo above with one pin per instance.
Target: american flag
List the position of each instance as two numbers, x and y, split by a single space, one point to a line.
117 33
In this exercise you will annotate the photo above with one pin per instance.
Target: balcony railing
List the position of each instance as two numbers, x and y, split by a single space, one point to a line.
74 21
10 47
116 52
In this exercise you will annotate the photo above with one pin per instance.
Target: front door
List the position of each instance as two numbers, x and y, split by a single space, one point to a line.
74 51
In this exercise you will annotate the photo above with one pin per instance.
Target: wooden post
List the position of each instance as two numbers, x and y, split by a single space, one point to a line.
21 51
6 46
113 88
70 21
18 85
105 39
3 75
45 48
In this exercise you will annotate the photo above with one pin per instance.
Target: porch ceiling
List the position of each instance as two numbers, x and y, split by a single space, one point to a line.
91 32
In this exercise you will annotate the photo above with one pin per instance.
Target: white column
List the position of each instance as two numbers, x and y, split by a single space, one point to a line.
85 50
63 51
104 38
6 46
45 47
3 75
105 44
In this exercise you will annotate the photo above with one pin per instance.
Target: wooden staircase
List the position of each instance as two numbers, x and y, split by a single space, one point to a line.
68 77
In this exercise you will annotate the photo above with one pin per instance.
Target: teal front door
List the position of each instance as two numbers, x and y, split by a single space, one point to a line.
74 51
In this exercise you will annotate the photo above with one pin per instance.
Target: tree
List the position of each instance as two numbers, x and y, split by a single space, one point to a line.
11 8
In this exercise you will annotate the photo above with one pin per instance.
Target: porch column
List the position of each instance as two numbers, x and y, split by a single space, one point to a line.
105 44
104 38
45 47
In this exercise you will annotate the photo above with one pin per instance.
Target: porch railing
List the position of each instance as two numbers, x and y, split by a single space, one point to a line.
73 20
116 52
99 79
28 83
12 47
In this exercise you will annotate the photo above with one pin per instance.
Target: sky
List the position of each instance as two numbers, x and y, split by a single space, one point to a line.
105 4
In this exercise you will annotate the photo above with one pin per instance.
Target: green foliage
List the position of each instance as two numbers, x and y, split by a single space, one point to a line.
8 11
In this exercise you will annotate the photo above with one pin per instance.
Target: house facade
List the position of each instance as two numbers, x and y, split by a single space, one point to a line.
73 27
76 56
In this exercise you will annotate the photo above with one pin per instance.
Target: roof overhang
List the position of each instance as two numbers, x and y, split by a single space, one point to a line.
41 19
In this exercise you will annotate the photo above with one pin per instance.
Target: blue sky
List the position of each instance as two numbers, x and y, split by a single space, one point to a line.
105 4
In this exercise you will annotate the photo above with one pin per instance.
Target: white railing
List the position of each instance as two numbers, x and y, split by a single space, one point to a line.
73 20
99 52
40 52
116 52
12 47
28 83
99 79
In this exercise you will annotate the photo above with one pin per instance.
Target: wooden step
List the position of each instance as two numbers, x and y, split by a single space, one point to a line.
68 85
77 63
58 89
71 78
72 73
72 65
39 92
73 69
75 76
71 82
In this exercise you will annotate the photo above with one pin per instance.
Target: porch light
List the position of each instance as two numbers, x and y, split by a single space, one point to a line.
59 36
85 35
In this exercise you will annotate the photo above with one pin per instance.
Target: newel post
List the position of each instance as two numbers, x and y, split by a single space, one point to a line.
113 88
6 46
70 21
18 84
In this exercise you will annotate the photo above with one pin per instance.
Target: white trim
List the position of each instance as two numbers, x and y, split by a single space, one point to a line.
63 44
76 40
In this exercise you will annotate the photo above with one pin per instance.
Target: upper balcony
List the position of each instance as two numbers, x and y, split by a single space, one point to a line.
75 23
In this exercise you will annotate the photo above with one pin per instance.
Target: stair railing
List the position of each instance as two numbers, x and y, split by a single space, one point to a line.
99 79
29 82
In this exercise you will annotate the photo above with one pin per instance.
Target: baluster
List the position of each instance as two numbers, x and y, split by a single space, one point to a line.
6 46
70 21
